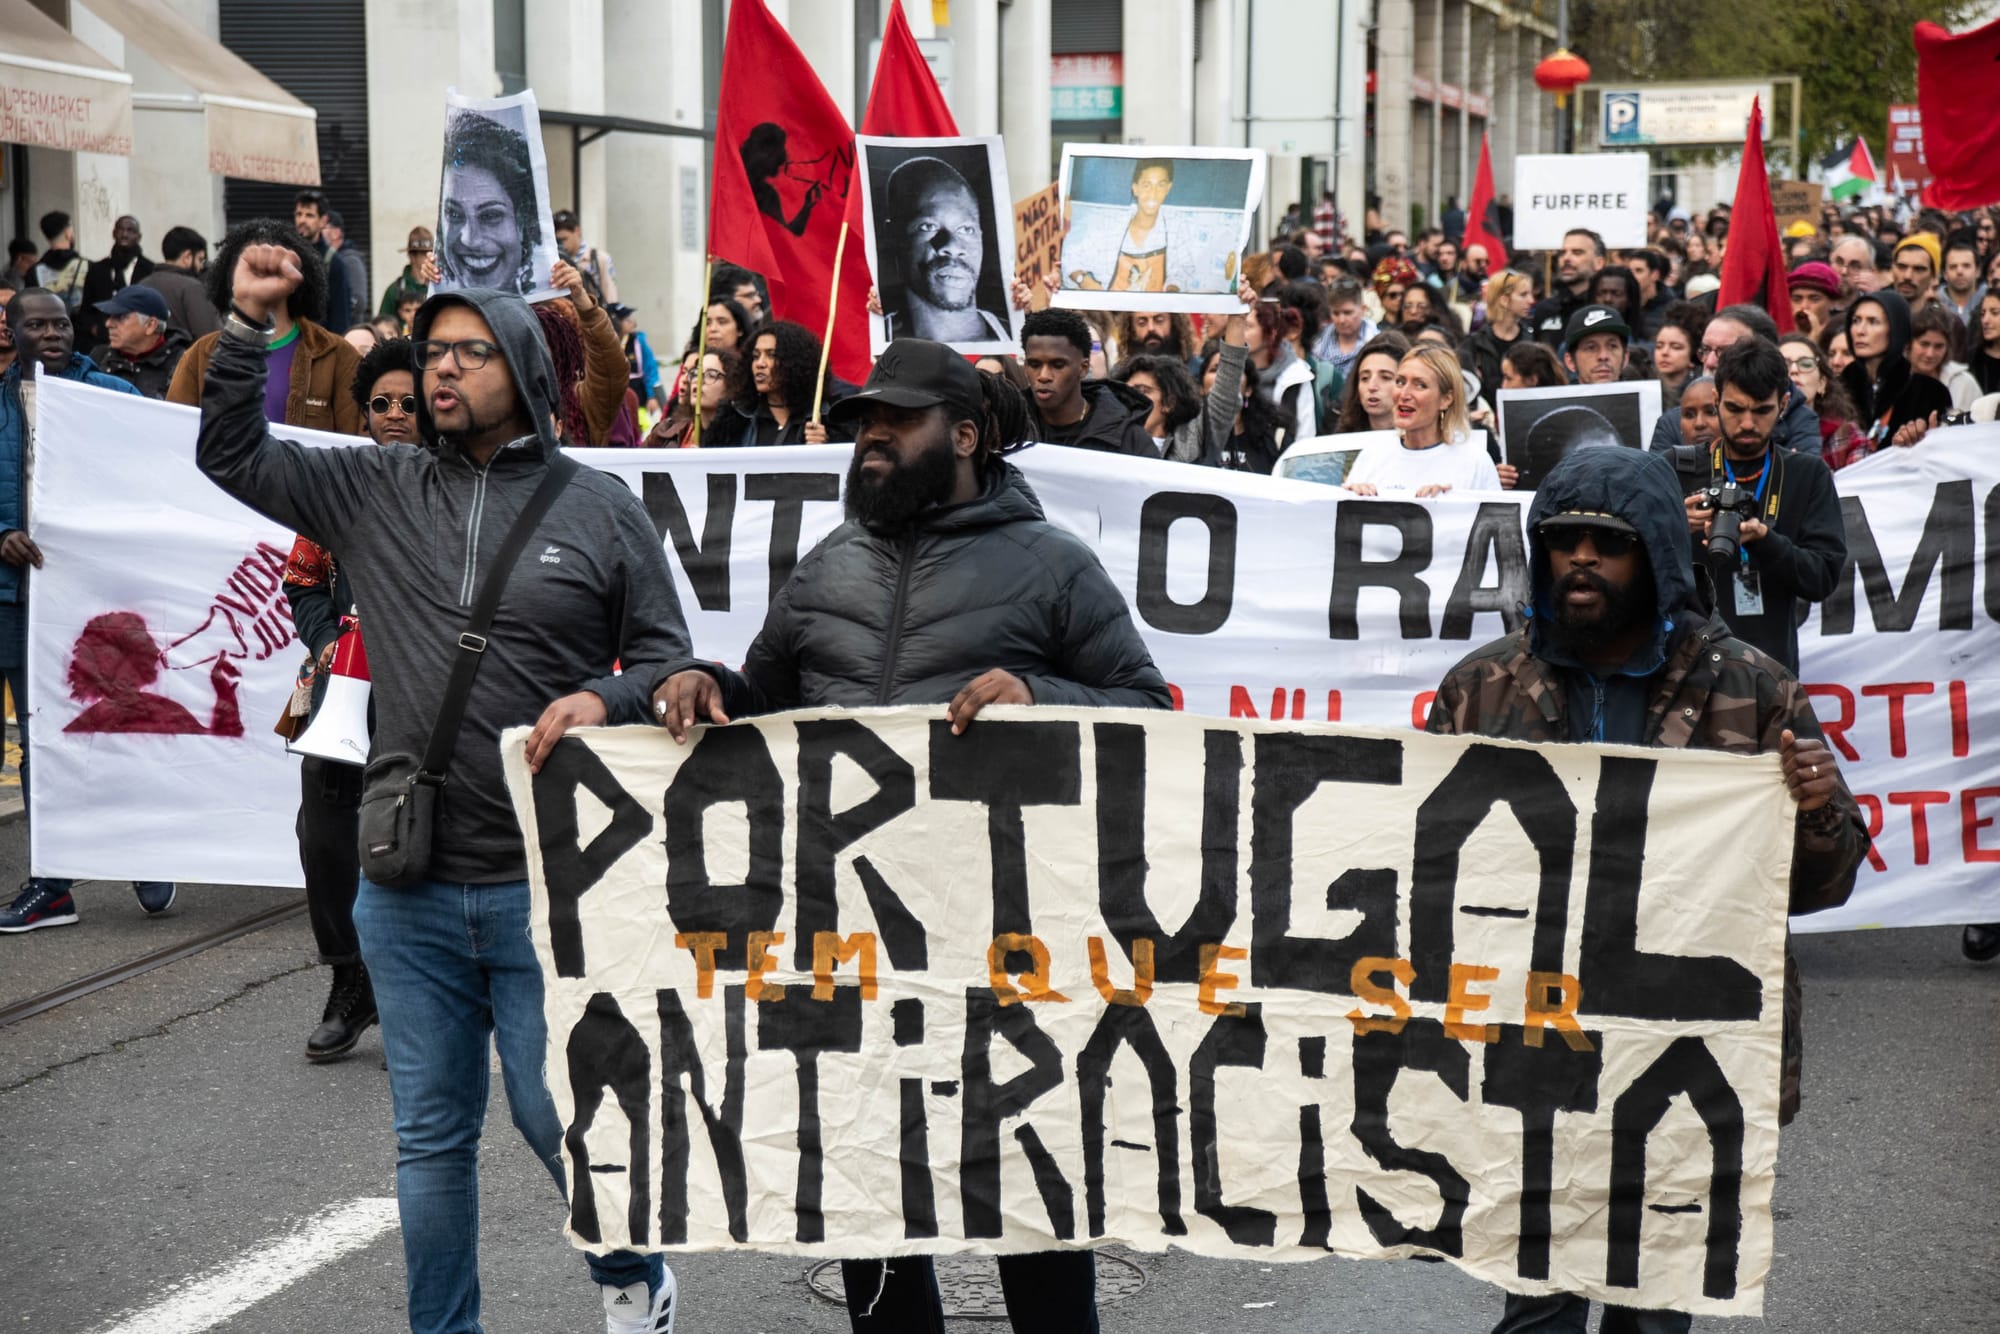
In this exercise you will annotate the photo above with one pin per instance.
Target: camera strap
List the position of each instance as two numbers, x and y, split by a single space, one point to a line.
1774 462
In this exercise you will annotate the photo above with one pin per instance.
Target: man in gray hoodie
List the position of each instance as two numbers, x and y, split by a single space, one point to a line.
418 529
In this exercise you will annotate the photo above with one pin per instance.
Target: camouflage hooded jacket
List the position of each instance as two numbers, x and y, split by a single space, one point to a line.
1711 692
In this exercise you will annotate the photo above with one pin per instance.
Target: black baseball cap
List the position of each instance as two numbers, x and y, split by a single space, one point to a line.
137 300
1594 320
917 373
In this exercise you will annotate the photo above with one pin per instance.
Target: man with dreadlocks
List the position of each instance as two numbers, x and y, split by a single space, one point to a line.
945 586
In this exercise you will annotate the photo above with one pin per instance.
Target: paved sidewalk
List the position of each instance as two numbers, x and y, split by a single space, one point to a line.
12 807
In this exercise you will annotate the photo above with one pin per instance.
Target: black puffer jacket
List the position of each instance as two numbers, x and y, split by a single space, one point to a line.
1895 389
1116 422
909 617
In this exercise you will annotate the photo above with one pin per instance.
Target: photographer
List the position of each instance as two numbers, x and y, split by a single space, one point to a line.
1767 517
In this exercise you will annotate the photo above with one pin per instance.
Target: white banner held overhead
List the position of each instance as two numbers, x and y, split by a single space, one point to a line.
910 992
1556 193
1260 598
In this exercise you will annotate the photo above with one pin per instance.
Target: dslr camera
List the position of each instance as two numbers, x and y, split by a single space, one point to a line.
1728 505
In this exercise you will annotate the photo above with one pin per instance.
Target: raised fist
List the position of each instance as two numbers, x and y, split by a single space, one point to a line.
265 275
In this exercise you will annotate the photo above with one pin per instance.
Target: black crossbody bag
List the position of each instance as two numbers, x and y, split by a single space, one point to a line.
399 793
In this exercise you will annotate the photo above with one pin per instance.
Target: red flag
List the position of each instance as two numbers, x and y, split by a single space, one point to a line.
904 101
1958 95
1482 220
1753 264
784 164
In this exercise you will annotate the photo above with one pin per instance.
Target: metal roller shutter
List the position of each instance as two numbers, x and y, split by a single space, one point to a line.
319 54
1086 27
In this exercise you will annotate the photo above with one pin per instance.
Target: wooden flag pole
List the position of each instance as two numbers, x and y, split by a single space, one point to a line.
832 307
701 349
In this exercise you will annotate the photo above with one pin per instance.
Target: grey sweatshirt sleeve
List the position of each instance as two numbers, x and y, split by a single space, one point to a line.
318 492
1225 400
652 633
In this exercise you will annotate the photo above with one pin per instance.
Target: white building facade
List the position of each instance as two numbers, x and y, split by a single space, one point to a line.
1356 97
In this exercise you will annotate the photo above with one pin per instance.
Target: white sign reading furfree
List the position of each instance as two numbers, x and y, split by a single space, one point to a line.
1560 192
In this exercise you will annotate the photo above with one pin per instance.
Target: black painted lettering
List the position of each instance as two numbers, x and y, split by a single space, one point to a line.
1122 869
789 492
1484 777
1378 1058
571 868
706 563
1947 540
824 835
1290 768
1006 767
1399 574
1617 976
1495 540
1157 517
604 1052
1236 1040
727 764
1685 1068
680 1057
988 1104
1539 1082
1130 1026
808 1029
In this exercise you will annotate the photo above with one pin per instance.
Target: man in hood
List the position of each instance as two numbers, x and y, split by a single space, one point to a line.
1789 541
1798 424
450 958
945 587
1620 648
44 338
112 274
1893 405
1072 410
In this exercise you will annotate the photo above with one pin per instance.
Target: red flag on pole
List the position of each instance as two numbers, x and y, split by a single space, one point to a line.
784 165
1753 265
904 101
1958 95
1482 220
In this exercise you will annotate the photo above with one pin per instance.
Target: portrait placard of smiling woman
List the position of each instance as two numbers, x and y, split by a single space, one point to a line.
494 227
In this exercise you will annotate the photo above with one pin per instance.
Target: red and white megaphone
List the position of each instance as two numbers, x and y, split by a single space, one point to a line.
339 729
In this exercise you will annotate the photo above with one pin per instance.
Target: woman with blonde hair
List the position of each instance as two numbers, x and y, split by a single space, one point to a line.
1436 453
1508 298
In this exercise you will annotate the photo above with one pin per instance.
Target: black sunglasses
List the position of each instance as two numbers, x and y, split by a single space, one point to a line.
1566 537
379 405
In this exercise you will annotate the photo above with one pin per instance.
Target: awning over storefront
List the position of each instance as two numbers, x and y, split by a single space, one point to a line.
55 92
256 130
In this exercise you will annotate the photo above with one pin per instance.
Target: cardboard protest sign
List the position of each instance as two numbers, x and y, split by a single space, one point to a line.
1539 426
1259 598
910 992
939 231
1156 228
1795 201
1559 192
1037 238
494 227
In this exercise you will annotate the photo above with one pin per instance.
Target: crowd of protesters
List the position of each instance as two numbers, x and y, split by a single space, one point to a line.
1402 342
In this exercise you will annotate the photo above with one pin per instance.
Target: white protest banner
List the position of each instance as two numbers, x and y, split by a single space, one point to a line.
844 984
1259 597
1556 193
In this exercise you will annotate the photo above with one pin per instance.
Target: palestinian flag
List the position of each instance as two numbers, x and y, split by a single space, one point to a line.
1850 171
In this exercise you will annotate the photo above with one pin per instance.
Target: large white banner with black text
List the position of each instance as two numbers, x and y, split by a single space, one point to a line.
844 983
1260 598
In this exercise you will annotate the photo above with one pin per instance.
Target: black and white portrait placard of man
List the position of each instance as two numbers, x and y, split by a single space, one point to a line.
1539 426
940 241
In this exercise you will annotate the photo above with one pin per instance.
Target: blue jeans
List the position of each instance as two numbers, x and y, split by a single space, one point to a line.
452 967
16 679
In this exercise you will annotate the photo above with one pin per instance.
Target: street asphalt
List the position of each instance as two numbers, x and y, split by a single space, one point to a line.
160 1131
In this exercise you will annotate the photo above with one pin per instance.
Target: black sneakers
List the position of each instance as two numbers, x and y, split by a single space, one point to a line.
39 904
350 1008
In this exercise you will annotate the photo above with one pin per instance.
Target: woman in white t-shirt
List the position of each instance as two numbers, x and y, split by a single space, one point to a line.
1437 452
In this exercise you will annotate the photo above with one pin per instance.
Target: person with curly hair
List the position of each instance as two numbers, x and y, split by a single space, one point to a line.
711 393
309 368
784 372
489 224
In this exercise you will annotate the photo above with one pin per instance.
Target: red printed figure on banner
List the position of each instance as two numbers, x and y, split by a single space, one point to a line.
114 662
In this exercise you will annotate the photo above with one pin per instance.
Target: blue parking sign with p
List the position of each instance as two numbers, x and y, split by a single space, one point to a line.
1621 118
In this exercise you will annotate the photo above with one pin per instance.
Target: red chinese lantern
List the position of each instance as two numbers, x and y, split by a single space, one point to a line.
1561 73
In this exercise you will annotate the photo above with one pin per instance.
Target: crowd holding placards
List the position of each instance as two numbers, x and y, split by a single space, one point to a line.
1665 596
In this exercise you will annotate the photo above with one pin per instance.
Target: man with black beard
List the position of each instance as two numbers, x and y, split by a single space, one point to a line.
944 587
109 276
1621 647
